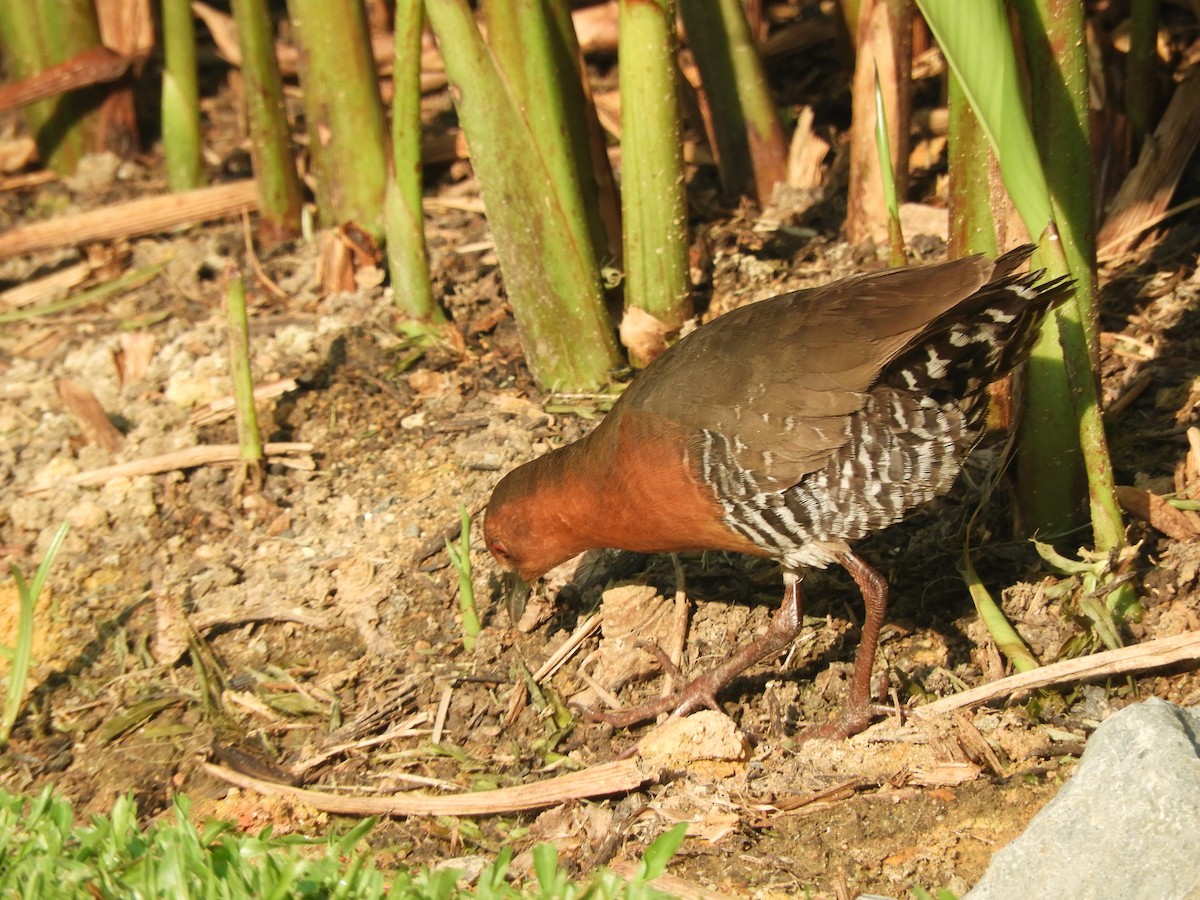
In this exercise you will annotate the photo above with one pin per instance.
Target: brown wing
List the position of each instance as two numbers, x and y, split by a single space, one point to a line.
778 377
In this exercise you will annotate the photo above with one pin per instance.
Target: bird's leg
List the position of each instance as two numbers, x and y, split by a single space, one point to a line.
701 692
859 711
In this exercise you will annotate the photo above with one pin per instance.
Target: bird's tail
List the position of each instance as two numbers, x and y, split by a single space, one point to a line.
983 337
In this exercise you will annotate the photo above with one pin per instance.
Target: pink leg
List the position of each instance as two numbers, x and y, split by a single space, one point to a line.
860 710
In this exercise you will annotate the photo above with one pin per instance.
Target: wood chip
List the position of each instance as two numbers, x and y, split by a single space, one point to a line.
187 458
87 411
439 721
631 614
706 744
603 780
225 407
569 648
270 611
94 66
172 632
134 357
1180 524
45 289
832 794
806 154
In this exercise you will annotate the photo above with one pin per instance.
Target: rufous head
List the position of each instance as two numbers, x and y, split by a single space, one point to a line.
522 528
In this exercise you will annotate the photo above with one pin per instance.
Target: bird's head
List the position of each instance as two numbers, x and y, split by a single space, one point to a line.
515 525
526 527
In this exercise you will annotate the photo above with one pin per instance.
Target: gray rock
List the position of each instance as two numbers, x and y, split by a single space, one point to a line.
1126 825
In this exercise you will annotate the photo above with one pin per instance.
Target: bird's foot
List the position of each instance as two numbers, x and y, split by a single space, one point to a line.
853 718
699 693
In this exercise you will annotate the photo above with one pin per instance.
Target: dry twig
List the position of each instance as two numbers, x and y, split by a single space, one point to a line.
1138 658
598 781
294 454
145 215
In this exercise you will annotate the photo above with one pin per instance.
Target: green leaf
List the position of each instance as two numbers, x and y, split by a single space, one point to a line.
978 47
660 851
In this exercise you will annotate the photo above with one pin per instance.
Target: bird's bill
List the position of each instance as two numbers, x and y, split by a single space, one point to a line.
516 593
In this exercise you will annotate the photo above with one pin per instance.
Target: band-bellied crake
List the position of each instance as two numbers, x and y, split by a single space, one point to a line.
786 429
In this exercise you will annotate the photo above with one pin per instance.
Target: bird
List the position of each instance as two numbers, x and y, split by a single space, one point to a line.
787 428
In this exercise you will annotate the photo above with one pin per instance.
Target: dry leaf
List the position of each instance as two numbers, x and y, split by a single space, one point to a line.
630 613
1182 525
87 411
134 358
643 334
706 744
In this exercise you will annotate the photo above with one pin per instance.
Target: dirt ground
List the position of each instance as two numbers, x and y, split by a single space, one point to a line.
283 629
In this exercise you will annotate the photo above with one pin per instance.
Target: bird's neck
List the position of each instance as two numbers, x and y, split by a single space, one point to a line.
630 485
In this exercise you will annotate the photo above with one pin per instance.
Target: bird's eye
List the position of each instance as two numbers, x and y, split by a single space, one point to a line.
499 551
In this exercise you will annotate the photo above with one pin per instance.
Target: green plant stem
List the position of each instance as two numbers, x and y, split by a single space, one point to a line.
126 282
978 46
970 162
1063 364
408 259
653 205
1007 640
34 36
532 191
535 47
884 148
249 438
597 181
1141 70
18 675
343 112
280 197
1107 524
1053 31
746 134
180 98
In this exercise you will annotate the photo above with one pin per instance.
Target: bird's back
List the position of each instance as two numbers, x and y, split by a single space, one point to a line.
819 416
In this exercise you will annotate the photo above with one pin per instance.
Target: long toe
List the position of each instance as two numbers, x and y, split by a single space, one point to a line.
699 693
631 715
850 721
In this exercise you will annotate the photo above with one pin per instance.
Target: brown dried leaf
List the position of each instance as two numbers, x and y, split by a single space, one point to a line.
360 591
644 335
707 744
87 411
1183 525
134 358
171 630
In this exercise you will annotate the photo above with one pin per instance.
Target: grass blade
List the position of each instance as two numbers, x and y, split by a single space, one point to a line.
23 653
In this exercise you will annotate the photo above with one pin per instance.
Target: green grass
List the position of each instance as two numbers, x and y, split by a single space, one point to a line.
21 656
460 559
44 854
